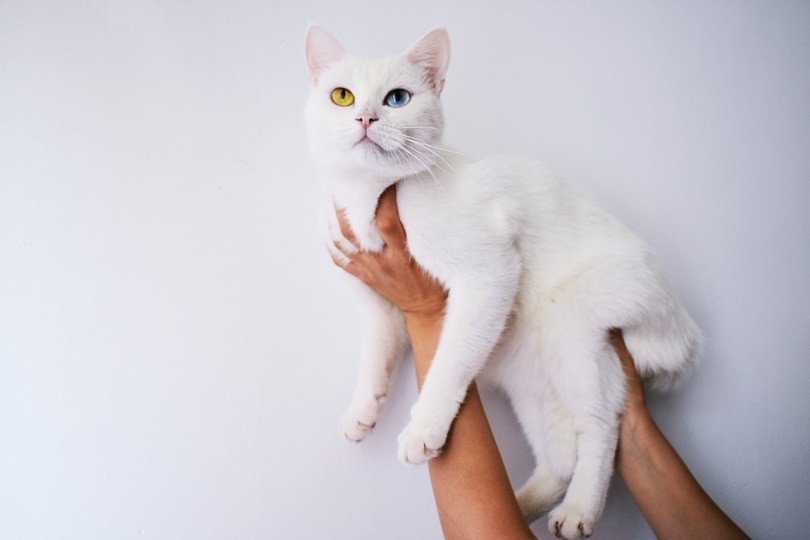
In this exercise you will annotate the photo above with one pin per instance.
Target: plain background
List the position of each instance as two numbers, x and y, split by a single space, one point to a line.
176 347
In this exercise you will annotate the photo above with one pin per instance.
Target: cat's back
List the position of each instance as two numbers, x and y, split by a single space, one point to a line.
477 188
465 212
515 198
468 205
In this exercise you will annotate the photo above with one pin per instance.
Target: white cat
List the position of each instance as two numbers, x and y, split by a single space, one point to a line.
537 275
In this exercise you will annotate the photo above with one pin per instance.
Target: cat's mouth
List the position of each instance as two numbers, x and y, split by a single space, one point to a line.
367 142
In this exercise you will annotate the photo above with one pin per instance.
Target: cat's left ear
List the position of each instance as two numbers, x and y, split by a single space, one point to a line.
432 53
322 50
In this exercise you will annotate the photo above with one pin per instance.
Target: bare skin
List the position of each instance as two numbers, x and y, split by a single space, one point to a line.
670 498
473 495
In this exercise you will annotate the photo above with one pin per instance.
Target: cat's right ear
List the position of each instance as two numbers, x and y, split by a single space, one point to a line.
322 50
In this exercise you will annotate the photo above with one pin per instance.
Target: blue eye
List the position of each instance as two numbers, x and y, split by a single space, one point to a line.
397 98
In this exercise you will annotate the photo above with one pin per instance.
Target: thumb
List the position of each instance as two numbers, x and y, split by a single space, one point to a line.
387 219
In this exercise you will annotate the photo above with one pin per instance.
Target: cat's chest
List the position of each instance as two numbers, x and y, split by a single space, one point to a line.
447 235
429 224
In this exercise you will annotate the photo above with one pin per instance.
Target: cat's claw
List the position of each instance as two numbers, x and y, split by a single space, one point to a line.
420 443
568 522
355 431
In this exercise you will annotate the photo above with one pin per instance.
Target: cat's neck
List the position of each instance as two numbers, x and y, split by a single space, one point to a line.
349 189
352 186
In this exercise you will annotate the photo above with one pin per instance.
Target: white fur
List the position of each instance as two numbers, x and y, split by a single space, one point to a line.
537 275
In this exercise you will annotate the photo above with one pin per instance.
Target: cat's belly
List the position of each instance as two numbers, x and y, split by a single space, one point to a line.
515 364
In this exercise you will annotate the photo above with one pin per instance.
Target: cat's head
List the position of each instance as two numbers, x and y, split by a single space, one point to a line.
376 117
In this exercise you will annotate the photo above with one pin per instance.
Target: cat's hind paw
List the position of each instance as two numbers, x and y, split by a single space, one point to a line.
540 493
360 418
419 442
570 522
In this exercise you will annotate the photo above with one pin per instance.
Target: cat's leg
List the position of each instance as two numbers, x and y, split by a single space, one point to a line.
384 341
539 493
360 212
591 386
476 313
550 432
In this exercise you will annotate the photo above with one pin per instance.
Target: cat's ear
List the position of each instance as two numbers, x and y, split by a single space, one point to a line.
322 50
432 53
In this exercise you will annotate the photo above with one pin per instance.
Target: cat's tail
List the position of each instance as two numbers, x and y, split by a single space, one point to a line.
664 340
666 344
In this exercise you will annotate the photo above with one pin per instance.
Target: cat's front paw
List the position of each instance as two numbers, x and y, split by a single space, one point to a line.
360 418
420 441
370 239
569 521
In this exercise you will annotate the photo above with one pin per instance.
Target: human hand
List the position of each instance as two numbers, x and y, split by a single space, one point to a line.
671 499
392 271
635 411
635 388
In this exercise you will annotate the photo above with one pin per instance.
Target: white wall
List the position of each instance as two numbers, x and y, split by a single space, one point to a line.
175 346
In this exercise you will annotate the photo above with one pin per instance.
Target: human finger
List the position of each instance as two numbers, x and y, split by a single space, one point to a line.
343 224
360 264
352 262
387 219
635 388
344 262
340 255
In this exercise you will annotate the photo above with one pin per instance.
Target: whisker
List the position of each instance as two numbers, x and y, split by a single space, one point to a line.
418 127
448 150
432 149
442 148
412 154
417 146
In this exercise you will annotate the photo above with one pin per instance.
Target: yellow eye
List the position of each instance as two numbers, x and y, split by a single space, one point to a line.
342 97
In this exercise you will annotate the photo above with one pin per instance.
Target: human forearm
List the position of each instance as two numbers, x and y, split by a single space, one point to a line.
473 495
670 498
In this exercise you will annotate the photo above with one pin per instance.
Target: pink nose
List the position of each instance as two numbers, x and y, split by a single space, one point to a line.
366 119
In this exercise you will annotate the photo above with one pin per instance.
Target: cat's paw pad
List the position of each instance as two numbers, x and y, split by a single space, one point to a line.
568 521
360 418
420 442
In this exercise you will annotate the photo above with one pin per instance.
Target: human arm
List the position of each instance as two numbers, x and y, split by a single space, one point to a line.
672 501
472 491
473 495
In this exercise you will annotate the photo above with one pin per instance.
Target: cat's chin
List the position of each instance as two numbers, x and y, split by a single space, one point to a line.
371 160
368 147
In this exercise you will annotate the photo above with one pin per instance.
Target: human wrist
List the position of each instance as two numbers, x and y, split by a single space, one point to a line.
423 317
424 328
637 432
429 313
